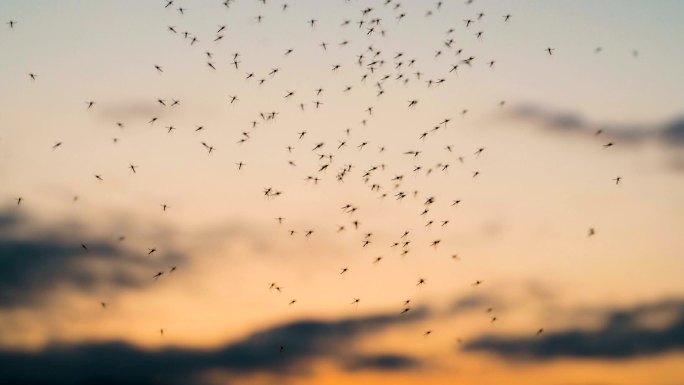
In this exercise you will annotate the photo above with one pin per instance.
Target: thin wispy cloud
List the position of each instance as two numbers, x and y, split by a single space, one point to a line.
669 132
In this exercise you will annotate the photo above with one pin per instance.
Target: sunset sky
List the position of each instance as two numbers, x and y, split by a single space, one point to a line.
546 271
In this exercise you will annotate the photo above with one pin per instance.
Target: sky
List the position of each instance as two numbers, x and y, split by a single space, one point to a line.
524 263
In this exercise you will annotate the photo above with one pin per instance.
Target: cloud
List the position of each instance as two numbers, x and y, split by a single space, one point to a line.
122 111
670 132
504 296
387 361
643 330
673 132
8 220
468 303
33 266
121 363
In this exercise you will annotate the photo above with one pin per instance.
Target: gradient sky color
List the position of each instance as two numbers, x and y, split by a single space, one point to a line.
611 305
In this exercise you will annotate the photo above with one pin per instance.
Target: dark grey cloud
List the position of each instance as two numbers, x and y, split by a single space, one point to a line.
669 132
8 220
387 361
624 334
33 264
673 132
121 363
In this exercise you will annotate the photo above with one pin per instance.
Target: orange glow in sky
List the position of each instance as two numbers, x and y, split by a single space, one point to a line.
333 192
